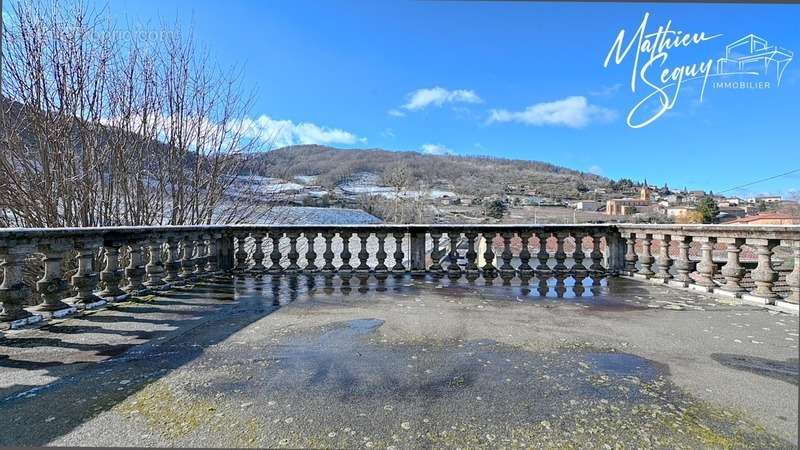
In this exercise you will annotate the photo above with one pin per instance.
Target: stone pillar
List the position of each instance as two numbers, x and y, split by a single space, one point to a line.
597 256
155 267
561 255
85 279
201 255
578 255
293 254
664 260
418 253
630 255
363 254
525 254
214 249
507 255
258 253
135 270
684 266
226 251
241 253
112 274
436 267
706 268
764 275
52 287
311 254
398 252
172 266
793 279
488 256
646 260
13 292
187 260
328 255
346 255
453 269
733 270
543 255
380 255
275 254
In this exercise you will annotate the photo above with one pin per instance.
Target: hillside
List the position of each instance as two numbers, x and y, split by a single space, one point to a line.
476 175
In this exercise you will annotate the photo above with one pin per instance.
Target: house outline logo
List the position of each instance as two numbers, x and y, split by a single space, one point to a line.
752 55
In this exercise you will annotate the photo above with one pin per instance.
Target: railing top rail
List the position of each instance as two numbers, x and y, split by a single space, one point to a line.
763 231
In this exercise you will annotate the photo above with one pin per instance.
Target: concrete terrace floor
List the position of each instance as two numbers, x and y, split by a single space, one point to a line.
291 362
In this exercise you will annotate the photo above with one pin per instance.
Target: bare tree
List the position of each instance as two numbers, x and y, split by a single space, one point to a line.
101 130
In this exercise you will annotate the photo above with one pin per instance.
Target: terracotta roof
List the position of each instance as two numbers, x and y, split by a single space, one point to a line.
764 216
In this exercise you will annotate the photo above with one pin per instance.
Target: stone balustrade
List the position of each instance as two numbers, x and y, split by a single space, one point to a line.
110 264
718 266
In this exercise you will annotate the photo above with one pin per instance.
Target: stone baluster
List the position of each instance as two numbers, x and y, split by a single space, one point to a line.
172 266
664 260
155 267
733 271
764 275
241 253
85 279
398 252
311 254
471 267
525 254
453 269
293 254
578 255
135 270
380 255
363 253
561 255
275 253
111 275
596 255
201 256
187 259
793 279
646 260
436 267
258 253
346 255
507 255
631 258
543 255
488 255
328 255
13 292
706 267
684 266
212 266
52 287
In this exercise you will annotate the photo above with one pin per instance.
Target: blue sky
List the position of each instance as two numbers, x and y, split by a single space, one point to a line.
509 79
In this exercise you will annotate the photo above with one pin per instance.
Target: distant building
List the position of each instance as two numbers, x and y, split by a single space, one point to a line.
730 201
628 206
768 219
587 205
679 212
729 213
765 199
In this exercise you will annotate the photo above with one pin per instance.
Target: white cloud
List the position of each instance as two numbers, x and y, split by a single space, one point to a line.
436 149
574 112
437 96
396 113
607 91
280 133
597 170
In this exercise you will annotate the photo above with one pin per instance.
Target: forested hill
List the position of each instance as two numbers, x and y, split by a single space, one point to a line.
480 175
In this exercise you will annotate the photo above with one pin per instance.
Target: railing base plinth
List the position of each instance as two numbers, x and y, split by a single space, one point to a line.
701 288
20 323
756 300
730 294
792 308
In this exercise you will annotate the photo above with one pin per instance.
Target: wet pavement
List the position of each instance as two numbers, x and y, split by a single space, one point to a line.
404 363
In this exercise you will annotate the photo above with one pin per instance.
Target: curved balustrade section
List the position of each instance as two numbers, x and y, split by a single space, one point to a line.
83 268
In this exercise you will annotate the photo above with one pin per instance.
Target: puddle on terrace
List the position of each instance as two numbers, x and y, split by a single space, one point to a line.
589 291
343 385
